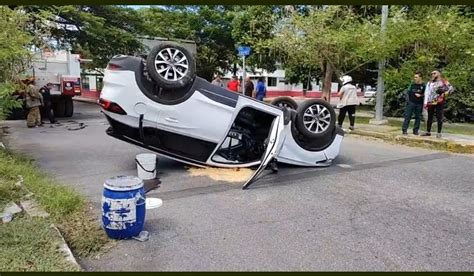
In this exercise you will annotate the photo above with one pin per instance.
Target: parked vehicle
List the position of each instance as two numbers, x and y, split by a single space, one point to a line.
160 104
63 70
370 92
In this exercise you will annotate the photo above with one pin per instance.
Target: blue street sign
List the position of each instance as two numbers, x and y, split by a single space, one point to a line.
243 50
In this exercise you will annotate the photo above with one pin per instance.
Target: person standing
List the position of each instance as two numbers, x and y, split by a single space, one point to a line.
233 84
218 81
260 89
347 101
34 100
414 105
46 111
248 90
434 99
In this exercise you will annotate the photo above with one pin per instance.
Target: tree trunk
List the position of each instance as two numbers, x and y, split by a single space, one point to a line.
327 82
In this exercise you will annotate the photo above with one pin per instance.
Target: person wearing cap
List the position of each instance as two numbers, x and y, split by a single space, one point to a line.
34 100
415 95
434 99
47 111
347 101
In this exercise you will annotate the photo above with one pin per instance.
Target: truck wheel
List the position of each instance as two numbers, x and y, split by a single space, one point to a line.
59 108
315 119
68 107
171 66
285 102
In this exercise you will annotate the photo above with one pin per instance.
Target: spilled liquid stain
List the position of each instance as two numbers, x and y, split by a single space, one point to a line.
222 174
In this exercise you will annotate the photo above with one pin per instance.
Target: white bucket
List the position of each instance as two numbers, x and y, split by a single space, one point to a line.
146 165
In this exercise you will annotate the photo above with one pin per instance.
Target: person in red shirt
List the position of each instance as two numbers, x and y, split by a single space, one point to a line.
234 84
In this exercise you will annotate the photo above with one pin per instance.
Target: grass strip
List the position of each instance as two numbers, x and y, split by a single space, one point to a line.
67 209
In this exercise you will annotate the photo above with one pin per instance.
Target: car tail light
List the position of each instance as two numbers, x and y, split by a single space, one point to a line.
112 107
113 67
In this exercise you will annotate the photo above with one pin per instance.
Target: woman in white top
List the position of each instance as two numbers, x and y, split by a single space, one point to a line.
347 101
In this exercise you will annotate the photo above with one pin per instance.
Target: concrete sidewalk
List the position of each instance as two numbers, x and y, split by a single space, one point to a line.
457 143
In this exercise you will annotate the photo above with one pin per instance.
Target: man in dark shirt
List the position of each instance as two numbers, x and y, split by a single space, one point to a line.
47 107
248 87
415 95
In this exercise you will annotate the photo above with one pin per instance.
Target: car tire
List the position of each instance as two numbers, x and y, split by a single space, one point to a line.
315 119
171 75
285 102
68 107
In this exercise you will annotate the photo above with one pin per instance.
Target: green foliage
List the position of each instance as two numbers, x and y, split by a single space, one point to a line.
333 34
209 26
13 56
95 32
461 103
254 26
67 208
296 73
8 99
30 244
441 40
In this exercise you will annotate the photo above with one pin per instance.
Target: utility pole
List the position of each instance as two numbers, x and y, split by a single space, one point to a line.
243 75
380 84
243 52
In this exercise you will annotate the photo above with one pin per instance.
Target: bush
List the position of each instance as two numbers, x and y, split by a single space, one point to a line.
460 104
8 101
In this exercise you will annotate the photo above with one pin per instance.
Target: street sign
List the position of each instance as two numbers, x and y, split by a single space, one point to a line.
243 51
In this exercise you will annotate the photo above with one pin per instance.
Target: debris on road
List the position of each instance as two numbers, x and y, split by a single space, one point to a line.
81 126
151 184
153 203
221 174
143 236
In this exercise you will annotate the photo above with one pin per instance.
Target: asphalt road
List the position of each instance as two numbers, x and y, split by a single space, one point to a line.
380 207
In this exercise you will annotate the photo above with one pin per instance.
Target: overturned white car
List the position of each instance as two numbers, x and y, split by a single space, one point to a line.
160 104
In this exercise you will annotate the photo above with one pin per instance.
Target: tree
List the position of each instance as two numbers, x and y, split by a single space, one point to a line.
254 26
334 38
210 26
95 32
432 37
14 55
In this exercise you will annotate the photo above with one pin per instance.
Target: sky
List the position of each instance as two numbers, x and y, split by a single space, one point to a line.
136 7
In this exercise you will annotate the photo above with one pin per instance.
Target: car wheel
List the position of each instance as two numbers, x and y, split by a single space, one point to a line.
285 102
315 119
171 66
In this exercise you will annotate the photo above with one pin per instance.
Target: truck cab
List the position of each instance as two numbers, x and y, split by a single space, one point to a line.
63 70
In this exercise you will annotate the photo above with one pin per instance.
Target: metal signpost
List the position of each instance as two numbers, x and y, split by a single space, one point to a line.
243 52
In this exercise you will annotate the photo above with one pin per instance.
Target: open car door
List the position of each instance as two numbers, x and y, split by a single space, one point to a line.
271 150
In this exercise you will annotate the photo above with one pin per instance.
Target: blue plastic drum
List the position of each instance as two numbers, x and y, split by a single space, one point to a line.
123 207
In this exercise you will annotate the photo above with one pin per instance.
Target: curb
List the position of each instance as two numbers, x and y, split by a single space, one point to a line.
66 250
419 142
